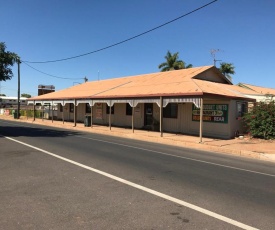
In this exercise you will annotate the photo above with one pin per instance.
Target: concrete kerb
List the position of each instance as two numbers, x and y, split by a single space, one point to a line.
162 140
267 157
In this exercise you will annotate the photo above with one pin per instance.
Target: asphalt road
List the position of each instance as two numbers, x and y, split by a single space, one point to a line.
53 178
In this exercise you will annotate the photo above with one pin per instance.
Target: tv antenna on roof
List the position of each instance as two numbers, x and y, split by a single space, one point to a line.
213 54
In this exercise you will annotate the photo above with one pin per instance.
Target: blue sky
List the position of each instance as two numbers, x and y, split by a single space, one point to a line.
242 30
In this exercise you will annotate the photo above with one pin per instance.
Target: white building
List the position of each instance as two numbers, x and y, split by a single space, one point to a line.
9 102
261 94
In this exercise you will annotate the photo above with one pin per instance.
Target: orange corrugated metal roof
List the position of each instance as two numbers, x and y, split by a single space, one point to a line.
172 83
222 89
259 89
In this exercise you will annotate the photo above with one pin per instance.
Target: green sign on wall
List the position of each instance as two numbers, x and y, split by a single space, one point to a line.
217 113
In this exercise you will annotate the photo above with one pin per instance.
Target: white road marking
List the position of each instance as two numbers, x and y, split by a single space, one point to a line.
187 158
148 190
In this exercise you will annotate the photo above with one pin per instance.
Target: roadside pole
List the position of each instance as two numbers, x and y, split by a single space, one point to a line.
18 91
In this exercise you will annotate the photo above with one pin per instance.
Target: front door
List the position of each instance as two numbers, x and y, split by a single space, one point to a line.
148 114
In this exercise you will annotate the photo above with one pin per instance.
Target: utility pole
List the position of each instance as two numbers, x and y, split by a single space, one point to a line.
18 92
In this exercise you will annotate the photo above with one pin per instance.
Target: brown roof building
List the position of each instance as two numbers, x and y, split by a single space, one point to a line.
199 101
259 93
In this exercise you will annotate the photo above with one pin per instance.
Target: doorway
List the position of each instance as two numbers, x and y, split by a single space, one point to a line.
148 114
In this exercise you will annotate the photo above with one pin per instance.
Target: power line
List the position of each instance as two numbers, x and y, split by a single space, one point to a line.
13 89
126 40
65 78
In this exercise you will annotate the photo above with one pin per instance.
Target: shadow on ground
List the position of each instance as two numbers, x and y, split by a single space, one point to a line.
13 131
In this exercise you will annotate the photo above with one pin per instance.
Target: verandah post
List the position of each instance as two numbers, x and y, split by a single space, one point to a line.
201 120
33 110
133 113
161 116
110 112
74 112
91 115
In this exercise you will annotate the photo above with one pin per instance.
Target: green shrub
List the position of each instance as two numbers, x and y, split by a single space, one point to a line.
260 121
29 113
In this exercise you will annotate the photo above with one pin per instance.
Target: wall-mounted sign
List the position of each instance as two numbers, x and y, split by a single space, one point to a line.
137 110
217 113
98 111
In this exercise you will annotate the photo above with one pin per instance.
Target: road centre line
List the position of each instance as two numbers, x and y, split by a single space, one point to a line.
140 187
187 158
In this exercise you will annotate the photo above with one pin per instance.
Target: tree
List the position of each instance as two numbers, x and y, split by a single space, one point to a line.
227 69
26 95
260 121
173 63
7 59
3 95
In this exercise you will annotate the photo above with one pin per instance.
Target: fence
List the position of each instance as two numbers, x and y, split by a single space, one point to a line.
28 112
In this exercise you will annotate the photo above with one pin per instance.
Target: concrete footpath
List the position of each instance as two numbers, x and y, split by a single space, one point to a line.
246 147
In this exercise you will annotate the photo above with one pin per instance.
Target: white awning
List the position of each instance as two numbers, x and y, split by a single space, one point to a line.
196 101
132 102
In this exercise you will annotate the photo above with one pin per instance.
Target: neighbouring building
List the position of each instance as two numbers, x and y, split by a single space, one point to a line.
44 89
10 102
261 94
197 101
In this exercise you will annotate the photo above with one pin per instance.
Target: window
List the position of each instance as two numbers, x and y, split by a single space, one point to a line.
170 111
129 110
241 108
108 109
88 108
60 108
71 107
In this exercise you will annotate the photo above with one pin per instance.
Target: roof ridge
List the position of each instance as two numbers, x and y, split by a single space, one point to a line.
156 73
257 86
111 88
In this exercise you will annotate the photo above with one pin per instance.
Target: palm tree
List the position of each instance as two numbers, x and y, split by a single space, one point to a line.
227 69
172 63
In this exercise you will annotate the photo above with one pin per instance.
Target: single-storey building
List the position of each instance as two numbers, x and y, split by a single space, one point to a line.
9 102
261 94
196 101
